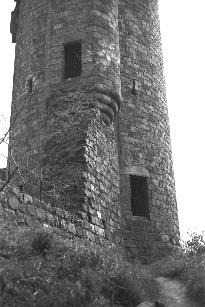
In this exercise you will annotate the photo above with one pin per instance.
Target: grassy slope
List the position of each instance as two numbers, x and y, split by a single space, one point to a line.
38 268
188 267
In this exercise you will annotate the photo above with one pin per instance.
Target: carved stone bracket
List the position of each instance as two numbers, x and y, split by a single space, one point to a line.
109 102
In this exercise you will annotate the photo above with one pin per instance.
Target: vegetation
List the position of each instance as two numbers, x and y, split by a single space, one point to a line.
188 265
194 271
37 268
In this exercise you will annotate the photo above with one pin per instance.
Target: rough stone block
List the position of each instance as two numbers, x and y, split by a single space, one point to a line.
31 210
28 199
41 215
71 228
80 232
50 219
13 203
29 221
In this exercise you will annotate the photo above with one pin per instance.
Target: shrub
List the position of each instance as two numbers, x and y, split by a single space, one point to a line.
195 243
188 265
42 241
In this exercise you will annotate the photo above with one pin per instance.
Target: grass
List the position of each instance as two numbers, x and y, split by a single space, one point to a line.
188 265
37 268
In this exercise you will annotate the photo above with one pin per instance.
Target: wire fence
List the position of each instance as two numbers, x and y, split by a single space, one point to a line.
31 178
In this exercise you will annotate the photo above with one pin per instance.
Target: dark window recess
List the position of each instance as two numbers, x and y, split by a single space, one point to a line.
89 217
139 196
133 91
73 60
29 85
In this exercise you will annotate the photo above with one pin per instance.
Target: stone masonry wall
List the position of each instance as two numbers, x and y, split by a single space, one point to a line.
75 127
26 210
85 161
144 128
69 125
102 177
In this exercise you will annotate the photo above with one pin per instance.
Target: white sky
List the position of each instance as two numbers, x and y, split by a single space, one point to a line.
182 27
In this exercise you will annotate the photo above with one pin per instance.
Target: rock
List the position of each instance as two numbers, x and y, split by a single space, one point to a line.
14 203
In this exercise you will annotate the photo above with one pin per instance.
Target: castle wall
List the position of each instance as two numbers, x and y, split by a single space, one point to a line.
68 125
144 128
74 126
25 210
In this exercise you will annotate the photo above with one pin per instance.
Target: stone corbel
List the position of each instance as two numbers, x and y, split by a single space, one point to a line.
109 102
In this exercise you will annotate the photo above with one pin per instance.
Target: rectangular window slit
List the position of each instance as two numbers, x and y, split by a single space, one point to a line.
73 59
139 196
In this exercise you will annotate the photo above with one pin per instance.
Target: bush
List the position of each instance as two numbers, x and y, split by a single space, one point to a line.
42 241
188 265
194 272
195 244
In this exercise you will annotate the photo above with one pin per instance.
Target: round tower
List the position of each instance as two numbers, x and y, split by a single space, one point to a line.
67 87
147 181
89 107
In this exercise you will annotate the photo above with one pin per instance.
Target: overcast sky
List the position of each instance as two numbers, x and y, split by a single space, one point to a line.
182 28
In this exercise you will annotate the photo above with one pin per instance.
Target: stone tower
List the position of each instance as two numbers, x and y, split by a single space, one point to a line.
88 81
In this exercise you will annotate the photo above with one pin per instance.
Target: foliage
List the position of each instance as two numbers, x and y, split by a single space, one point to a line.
194 273
38 268
42 242
188 265
195 243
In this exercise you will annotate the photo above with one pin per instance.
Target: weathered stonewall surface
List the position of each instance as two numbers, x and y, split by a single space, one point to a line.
29 211
144 128
107 123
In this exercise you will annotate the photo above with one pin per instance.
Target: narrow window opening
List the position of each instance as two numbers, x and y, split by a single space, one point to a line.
133 91
73 60
89 217
139 196
104 224
30 85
